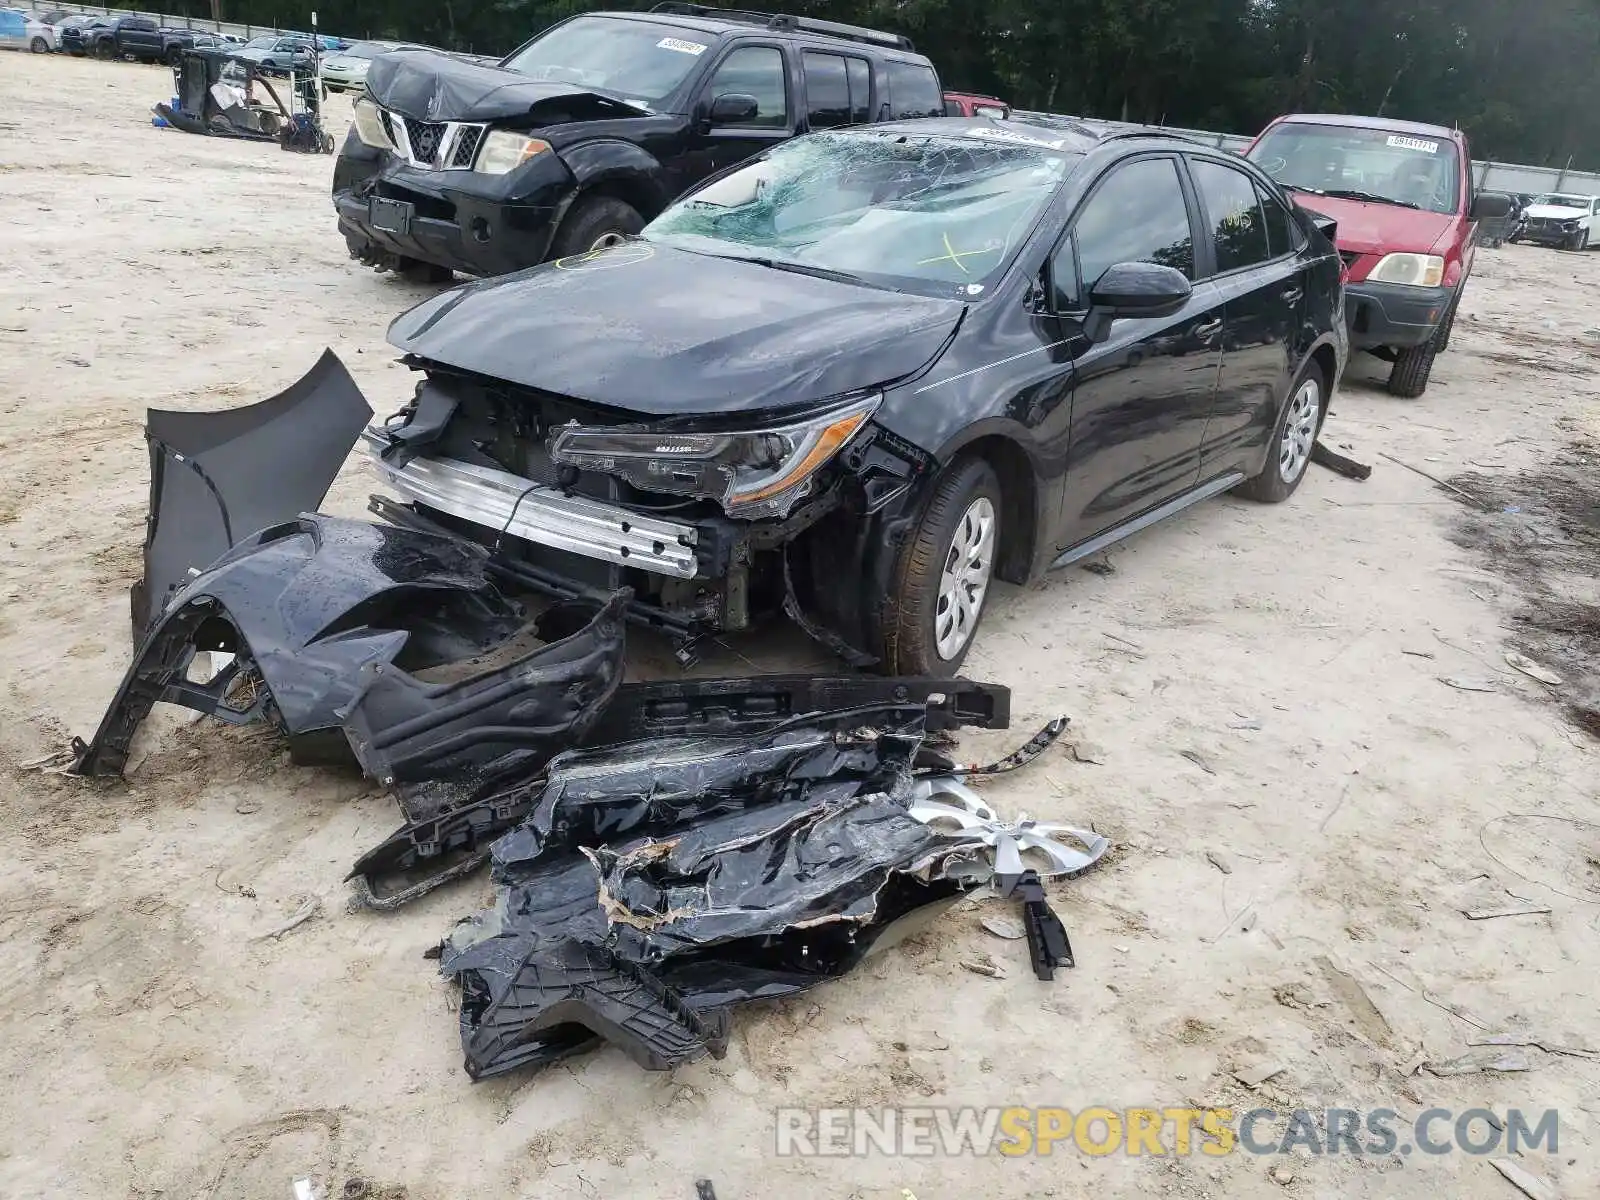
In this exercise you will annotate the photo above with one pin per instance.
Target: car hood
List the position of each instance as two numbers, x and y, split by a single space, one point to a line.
436 87
1554 212
663 332
1369 227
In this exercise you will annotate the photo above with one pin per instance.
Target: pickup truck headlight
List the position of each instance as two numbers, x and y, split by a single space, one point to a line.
1414 270
504 151
369 125
752 473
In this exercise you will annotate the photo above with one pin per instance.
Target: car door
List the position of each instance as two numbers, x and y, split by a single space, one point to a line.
1256 264
1141 397
756 69
1594 221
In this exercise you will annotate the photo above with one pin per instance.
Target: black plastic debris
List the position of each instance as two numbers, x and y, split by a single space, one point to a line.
448 835
1048 945
746 869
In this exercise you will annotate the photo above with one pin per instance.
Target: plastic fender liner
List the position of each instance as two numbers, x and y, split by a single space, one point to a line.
404 730
218 477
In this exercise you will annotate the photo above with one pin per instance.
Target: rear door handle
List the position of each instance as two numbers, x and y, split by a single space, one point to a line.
1209 329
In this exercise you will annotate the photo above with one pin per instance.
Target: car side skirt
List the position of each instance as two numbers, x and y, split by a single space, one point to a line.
1160 513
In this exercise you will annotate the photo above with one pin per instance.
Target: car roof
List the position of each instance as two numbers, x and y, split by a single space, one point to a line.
709 22
1353 121
1070 134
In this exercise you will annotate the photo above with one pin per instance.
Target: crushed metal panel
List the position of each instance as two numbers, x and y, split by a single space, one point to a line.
218 477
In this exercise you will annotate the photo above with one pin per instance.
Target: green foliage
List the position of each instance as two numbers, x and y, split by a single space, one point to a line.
1518 75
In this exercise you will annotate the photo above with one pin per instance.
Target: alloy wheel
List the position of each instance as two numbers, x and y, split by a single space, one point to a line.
1299 430
965 579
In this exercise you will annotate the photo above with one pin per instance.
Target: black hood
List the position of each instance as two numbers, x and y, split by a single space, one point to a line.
664 332
435 87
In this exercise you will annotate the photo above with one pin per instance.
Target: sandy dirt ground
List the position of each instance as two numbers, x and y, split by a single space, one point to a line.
1258 685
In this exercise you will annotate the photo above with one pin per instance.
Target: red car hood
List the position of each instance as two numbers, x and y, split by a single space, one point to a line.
1370 228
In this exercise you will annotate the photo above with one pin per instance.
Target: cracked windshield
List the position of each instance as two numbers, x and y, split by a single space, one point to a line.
1362 164
935 215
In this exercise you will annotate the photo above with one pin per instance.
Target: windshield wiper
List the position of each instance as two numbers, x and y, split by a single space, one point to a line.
1353 194
800 268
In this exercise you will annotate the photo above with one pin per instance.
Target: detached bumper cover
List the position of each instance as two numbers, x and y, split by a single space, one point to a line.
1391 314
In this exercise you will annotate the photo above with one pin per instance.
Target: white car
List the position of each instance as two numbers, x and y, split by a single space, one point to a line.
19 31
1565 221
346 71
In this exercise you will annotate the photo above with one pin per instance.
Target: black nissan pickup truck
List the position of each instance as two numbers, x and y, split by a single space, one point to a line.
577 139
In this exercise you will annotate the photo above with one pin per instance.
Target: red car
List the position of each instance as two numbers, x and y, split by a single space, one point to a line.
1403 199
969 104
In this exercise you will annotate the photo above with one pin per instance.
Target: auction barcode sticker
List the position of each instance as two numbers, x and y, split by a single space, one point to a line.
1410 143
681 46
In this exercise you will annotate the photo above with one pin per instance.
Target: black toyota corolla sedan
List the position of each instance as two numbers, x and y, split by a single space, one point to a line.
861 376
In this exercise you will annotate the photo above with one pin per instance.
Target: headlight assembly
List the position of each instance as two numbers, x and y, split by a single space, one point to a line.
504 151
369 125
752 473
1415 270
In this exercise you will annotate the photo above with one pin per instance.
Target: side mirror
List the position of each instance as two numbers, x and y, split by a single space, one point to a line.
1491 206
1134 289
734 108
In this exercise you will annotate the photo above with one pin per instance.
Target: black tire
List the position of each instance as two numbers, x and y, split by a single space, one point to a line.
1449 324
912 614
39 46
106 49
591 221
1413 366
174 55
1578 241
1270 486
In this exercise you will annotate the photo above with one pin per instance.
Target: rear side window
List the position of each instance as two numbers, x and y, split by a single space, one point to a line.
1233 211
1137 214
1284 235
827 90
860 90
755 71
913 91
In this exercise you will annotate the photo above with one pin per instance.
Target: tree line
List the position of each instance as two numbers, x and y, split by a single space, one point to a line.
1519 76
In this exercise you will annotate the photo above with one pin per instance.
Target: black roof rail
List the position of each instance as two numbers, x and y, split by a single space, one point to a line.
835 29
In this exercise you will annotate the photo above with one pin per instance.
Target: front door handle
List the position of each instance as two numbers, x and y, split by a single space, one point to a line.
1292 295
1208 330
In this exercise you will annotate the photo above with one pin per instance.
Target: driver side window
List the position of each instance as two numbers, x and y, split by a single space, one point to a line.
1137 214
754 71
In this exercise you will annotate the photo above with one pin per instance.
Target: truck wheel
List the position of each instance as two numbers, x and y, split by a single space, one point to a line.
174 56
1292 438
1408 377
593 223
943 575
106 50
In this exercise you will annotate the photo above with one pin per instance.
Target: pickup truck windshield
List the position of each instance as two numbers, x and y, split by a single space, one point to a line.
1408 169
261 43
933 214
636 60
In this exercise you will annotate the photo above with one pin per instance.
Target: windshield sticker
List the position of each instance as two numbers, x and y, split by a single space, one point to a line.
681 46
606 258
1411 143
1011 135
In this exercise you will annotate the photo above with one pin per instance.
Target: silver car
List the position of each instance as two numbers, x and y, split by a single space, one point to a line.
346 71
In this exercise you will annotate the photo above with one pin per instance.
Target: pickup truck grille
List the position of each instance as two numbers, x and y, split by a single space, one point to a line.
433 145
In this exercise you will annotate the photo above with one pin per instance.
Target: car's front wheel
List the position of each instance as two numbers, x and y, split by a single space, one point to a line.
593 223
943 574
1292 440
106 50
40 46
